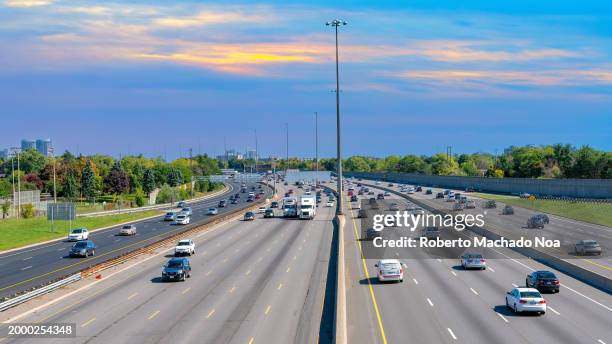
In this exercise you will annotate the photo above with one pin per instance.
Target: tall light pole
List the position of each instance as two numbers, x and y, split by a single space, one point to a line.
316 150
16 151
52 151
287 147
256 152
337 23
13 170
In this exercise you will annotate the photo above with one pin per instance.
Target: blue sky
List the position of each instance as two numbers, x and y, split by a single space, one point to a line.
158 77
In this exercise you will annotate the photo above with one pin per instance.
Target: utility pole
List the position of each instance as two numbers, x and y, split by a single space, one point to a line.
13 170
191 169
52 151
316 150
17 150
225 151
336 23
287 146
256 153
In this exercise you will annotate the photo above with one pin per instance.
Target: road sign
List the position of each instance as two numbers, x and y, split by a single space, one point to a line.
61 211
532 198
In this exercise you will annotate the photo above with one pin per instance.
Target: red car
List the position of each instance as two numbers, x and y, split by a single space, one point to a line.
350 193
258 196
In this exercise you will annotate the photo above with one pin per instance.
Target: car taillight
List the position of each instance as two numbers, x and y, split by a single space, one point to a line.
522 301
556 282
482 260
542 302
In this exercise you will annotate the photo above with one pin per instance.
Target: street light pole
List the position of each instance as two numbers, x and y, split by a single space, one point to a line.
287 146
13 170
17 151
336 23
52 151
316 150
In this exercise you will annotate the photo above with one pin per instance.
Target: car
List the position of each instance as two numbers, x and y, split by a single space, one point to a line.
428 192
177 269
394 207
184 247
187 211
251 194
446 192
524 195
128 230
390 270
261 210
250 199
507 210
377 182
212 211
469 189
370 193
329 204
418 189
361 214
249 216
543 217
585 247
354 198
535 222
418 211
181 204
440 195
431 232
525 300
78 234
489 204
473 260
222 203
457 206
450 198
290 191
182 219
84 248
470 204
380 196
386 193
543 281
234 201
237 195
258 196
350 193
269 213
274 204
170 216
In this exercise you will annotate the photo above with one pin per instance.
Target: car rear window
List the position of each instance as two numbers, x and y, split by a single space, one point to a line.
183 243
175 264
546 275
81 244
390 266
530 294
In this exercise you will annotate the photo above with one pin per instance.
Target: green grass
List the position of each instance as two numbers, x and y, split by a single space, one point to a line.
598 213
17 233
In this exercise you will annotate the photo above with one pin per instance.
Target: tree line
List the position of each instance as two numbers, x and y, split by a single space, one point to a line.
93 176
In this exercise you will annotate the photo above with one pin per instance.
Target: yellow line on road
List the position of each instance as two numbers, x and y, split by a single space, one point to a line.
596 264
232 290
88 322
210 313
132 296
280 285
251 340
153 315
367 275
267 310
186 290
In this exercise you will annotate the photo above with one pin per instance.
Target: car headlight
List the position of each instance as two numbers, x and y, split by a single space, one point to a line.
179 272
83 251
163 272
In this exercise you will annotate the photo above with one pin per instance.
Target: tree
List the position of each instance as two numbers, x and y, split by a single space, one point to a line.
31 161
174 177
117 181
70 187
357 164
148 181
5 209
586 163
33 179
88 181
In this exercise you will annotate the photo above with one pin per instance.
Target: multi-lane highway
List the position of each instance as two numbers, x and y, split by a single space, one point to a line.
439 302
259 281
30 267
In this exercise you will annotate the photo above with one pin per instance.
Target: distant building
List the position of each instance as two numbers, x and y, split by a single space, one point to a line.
251 154
42 146
27 144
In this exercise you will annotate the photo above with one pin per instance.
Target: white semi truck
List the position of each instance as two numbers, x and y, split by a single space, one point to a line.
307 207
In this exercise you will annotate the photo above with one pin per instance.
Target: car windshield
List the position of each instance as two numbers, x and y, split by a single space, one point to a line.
127 227
180 217
390 266
81 244
175 264
249 214
183 243
169 214
530 294
77 231
590 242
211 209
546 275
305 206
473 256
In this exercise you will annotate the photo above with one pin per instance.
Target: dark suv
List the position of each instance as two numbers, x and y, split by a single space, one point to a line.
222 203
84 248
177 269
543 281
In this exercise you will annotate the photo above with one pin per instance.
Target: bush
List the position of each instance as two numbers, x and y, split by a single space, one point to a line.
5 209
27 211
139 200
166 195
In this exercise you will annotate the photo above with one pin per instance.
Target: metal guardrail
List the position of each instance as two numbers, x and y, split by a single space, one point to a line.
37 292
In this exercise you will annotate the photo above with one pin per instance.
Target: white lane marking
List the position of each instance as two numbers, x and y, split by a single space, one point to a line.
248 272
280 285
232 290
474 291
454 273
501 316
88 322
515 285
61 249
601 341
491 269
116 240
553 310
224 260
28 258
153 315
132 296
27 267
452 333
186 290
210 313
439 260
430 303
268 310
415 281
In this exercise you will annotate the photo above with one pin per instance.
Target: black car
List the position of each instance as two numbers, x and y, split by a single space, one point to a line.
535 222
268 213
429 192
222 203
237 195
177 269
543 281
250 199
274 204
419 189
362 214
354 198
440 195
249 216
543 217
234 201
490 204
380 196
83 248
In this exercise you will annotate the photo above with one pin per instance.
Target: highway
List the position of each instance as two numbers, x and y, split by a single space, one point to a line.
438 302
260 281
568 231
30 267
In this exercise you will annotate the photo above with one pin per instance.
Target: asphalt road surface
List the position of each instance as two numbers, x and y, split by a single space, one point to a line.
439 302
33 266
260 281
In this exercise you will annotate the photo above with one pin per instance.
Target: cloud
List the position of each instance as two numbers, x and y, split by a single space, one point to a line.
210 17
27 3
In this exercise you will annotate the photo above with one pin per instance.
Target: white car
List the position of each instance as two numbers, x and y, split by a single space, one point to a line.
128 230
184 247
329 204
387 193
261 210
78 234
377 183
182 219
525 300
473 260
418 211
212 211
390 270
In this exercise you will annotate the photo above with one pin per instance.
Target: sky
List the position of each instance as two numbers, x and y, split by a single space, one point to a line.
160 77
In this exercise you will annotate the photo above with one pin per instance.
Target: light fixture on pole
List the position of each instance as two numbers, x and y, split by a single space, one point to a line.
337 23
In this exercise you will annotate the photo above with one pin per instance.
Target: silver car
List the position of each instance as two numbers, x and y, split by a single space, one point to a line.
128 230
473 260
584 247
170 216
